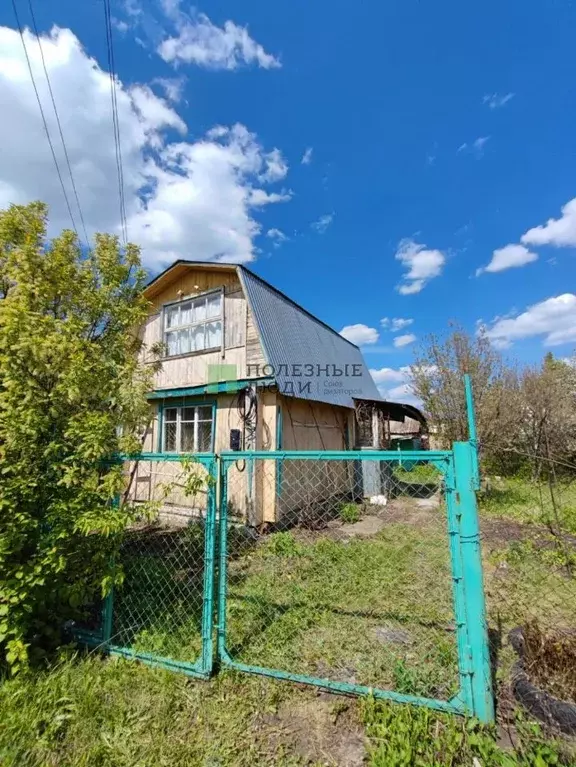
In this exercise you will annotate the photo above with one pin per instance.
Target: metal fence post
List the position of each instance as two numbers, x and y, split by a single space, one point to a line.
207 656
482 698
472 432
222 558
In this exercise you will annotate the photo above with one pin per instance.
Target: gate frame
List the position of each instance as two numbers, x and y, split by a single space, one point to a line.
474 696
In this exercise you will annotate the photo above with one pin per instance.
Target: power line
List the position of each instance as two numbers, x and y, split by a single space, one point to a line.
58 122
115 120
43 116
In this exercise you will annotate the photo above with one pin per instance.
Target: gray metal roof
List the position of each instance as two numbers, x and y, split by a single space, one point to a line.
291 336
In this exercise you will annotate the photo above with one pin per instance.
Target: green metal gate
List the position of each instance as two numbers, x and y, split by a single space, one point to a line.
355 571
368 579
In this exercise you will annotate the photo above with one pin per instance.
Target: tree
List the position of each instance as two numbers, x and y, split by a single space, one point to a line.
72 394
548 396
437 375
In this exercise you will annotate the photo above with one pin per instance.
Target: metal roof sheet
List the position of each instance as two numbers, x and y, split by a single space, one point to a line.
291 336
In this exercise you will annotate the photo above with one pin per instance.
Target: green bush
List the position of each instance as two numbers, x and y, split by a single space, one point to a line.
69 379
350 513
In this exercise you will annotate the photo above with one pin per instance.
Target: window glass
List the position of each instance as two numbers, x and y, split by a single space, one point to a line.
172 343
205 413
188 429
171 316
184 341
213 305
213 335
197 338
185 313
204 436
170 437
192 325
199 310
186 437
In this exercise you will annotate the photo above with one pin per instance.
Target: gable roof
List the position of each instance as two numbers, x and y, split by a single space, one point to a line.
293 338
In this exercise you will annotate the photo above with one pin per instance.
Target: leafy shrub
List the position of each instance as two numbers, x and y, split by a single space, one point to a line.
350 513
69 379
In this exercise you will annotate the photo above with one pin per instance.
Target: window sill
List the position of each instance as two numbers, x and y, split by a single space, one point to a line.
191 354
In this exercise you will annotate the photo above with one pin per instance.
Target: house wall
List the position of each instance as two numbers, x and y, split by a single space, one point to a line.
304 486
241 346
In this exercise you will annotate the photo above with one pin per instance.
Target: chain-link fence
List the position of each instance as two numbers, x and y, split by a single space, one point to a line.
528 526
341 569
162 611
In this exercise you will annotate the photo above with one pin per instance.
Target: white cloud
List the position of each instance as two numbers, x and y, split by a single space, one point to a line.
277 236
477 146
395 384
497 100
560 232
404 340
395 323
173 87
276 167
360 334
480 143
307 156
386 375
553 318
322 223
199 41
191 199
508 257
422 265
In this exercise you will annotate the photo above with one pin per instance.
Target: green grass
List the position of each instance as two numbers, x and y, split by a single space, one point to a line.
332 610
530 502
414 472
407 737
376 611
89 711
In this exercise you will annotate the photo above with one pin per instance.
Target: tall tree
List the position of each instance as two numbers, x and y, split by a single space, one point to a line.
437 374
72 394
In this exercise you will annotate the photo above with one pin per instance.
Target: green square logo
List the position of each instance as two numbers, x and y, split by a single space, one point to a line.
221 378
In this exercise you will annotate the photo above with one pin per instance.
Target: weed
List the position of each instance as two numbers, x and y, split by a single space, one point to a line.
350 513
407 736
282 545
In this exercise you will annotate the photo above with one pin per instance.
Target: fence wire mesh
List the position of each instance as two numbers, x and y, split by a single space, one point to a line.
163 608
528 526
341 570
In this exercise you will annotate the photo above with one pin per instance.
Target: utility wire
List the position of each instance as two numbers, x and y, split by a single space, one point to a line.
43 116
115 120
58 122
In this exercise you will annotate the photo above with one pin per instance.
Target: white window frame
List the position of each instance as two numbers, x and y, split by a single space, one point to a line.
196 421
193 300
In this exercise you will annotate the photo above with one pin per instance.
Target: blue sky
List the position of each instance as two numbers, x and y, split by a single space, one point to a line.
438 134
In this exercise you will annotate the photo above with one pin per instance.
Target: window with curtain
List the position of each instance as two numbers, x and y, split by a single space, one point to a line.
188 429
193 325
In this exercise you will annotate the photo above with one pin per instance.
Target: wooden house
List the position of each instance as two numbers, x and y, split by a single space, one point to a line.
243 367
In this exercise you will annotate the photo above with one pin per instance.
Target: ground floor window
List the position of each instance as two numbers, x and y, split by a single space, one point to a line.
187 429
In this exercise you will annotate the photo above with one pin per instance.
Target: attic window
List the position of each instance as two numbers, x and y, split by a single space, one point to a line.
193 325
